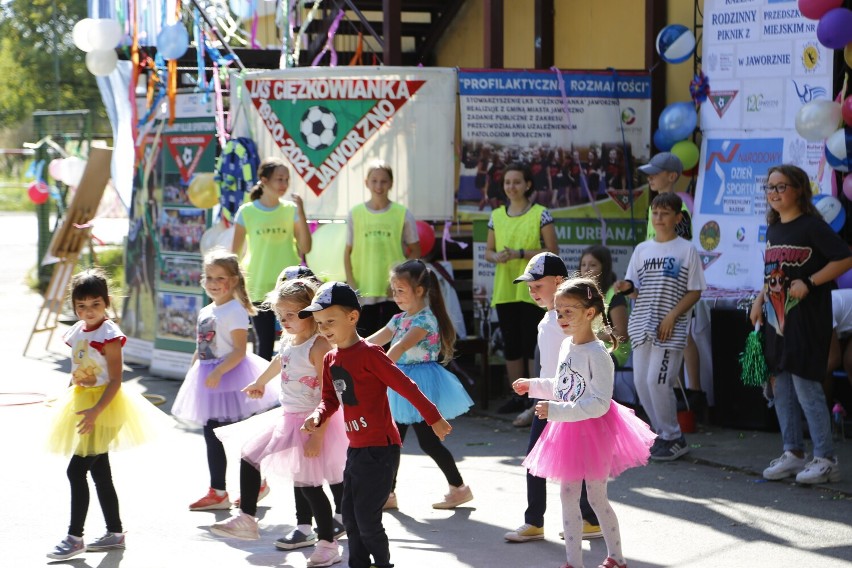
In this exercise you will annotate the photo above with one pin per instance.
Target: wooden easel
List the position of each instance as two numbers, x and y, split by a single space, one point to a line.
70 238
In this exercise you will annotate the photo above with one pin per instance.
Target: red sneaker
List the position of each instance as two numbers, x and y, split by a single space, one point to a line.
211 501
611 563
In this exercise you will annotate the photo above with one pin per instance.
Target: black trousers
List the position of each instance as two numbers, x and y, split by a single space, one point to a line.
264 330
376 316
537 488
432 447
367 482
98 465
217 462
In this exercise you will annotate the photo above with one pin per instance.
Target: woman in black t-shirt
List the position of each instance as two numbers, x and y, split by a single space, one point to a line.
803 257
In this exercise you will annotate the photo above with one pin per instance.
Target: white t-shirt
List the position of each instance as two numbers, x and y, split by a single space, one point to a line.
663 273
215 324
583 385
550 339
841 310
301 388
87 347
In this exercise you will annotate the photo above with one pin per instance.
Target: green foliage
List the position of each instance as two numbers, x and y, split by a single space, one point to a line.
40 68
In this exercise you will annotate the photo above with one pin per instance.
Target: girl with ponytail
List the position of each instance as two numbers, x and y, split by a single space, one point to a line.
211 395
420 337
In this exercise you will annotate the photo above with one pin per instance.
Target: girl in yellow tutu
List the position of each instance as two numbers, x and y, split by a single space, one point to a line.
95 415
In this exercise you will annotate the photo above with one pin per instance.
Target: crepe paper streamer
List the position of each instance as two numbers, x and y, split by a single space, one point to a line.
447 238
312 14
329 42
755 370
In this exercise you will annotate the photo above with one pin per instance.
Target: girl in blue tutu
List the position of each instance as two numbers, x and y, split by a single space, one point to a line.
589 437
212 393
419 336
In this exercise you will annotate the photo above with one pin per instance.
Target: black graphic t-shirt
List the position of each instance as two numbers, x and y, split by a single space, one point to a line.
798 331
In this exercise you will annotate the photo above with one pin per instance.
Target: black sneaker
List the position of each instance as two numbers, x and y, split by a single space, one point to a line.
296 539
339 529
670 450
514 404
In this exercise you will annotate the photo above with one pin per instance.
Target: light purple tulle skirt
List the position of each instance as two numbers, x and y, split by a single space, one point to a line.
274 444
597 448
195 402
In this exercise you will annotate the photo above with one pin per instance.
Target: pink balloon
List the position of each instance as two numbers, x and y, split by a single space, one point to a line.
845 280
847 186
816 9
846 111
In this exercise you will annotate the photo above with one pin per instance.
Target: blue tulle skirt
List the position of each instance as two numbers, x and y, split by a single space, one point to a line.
439 385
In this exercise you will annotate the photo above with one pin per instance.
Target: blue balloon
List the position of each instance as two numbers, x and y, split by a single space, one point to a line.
662 142
678 121
675 43
173 41
831 209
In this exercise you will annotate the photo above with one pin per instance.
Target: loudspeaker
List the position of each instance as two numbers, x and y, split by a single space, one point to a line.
737 406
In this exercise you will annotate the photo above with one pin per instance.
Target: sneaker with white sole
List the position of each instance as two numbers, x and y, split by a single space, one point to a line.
590 531
68 548
670 450
525 533
820 470
326 554
264 491
785 466
337 528
240 526
211 501
110 541
296 539
456 496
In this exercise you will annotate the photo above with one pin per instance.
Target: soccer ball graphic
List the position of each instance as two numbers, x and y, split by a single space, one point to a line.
318 128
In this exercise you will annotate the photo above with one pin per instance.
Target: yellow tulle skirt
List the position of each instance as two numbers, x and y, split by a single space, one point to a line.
128 421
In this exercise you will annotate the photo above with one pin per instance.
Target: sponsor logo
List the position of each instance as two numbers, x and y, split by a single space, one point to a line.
708 258
741 234
621 197
811 57
710 235
735 269
759 102
186 149
761 234
807 93
721 101
628 116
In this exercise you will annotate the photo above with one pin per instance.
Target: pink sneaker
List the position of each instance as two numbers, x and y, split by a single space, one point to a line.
456 496
611 563
240 526
211 501
325 554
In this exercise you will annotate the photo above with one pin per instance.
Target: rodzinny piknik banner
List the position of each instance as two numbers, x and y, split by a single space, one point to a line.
329 123
577 131
763 62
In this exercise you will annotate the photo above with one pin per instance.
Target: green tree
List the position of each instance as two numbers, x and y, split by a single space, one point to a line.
40 68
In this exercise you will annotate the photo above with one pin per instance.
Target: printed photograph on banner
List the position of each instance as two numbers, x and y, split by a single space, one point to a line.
582 146
177 315
180 229
175 191
330 124
180 273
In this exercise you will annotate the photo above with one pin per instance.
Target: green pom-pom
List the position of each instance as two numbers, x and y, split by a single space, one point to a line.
755 370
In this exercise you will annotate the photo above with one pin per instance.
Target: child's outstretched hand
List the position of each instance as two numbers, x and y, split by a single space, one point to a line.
313 446
312 422
521 386
541 409
442 428
254 390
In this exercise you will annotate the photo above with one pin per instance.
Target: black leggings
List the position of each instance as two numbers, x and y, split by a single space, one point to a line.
250 482
264 330
432 447
374 317
78 467
217 462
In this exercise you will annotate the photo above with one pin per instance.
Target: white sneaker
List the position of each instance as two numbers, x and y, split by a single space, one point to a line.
820 470
785 466
240 526
325 554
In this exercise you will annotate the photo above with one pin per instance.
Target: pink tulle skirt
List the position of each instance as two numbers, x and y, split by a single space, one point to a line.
276 446
195 402
597 448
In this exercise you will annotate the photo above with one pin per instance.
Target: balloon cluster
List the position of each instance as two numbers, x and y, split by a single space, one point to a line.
98 38
676 44
173 41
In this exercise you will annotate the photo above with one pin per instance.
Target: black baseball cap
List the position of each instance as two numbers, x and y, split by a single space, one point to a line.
293 272
663 162
541 265
332 294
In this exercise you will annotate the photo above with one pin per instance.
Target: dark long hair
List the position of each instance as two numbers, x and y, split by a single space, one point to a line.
587 292
798 180
602 254
417 273
265 170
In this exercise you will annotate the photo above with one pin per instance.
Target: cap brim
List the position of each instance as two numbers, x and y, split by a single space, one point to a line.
649 169
309 311
526 277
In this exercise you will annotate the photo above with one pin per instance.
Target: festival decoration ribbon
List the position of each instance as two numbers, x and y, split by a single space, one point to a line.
447 238
329 42
699 88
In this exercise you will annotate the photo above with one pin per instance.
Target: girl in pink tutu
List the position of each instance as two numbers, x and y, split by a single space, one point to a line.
212 393
276 445
589 436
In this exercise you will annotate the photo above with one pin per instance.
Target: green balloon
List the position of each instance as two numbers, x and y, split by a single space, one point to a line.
687 151
326 257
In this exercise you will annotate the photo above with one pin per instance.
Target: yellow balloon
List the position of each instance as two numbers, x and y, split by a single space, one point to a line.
203 191
847 54
326 256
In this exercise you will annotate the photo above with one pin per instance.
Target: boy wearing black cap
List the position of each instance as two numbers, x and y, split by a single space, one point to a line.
357 374
543 274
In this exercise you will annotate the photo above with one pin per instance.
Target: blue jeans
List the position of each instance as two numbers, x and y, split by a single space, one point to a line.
792 391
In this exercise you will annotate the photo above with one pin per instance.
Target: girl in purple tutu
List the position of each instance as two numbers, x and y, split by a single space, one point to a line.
276 444
589 436
212 393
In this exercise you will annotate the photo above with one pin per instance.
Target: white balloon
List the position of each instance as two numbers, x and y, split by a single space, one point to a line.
72 171
106 34
817 120
101 62
81 34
